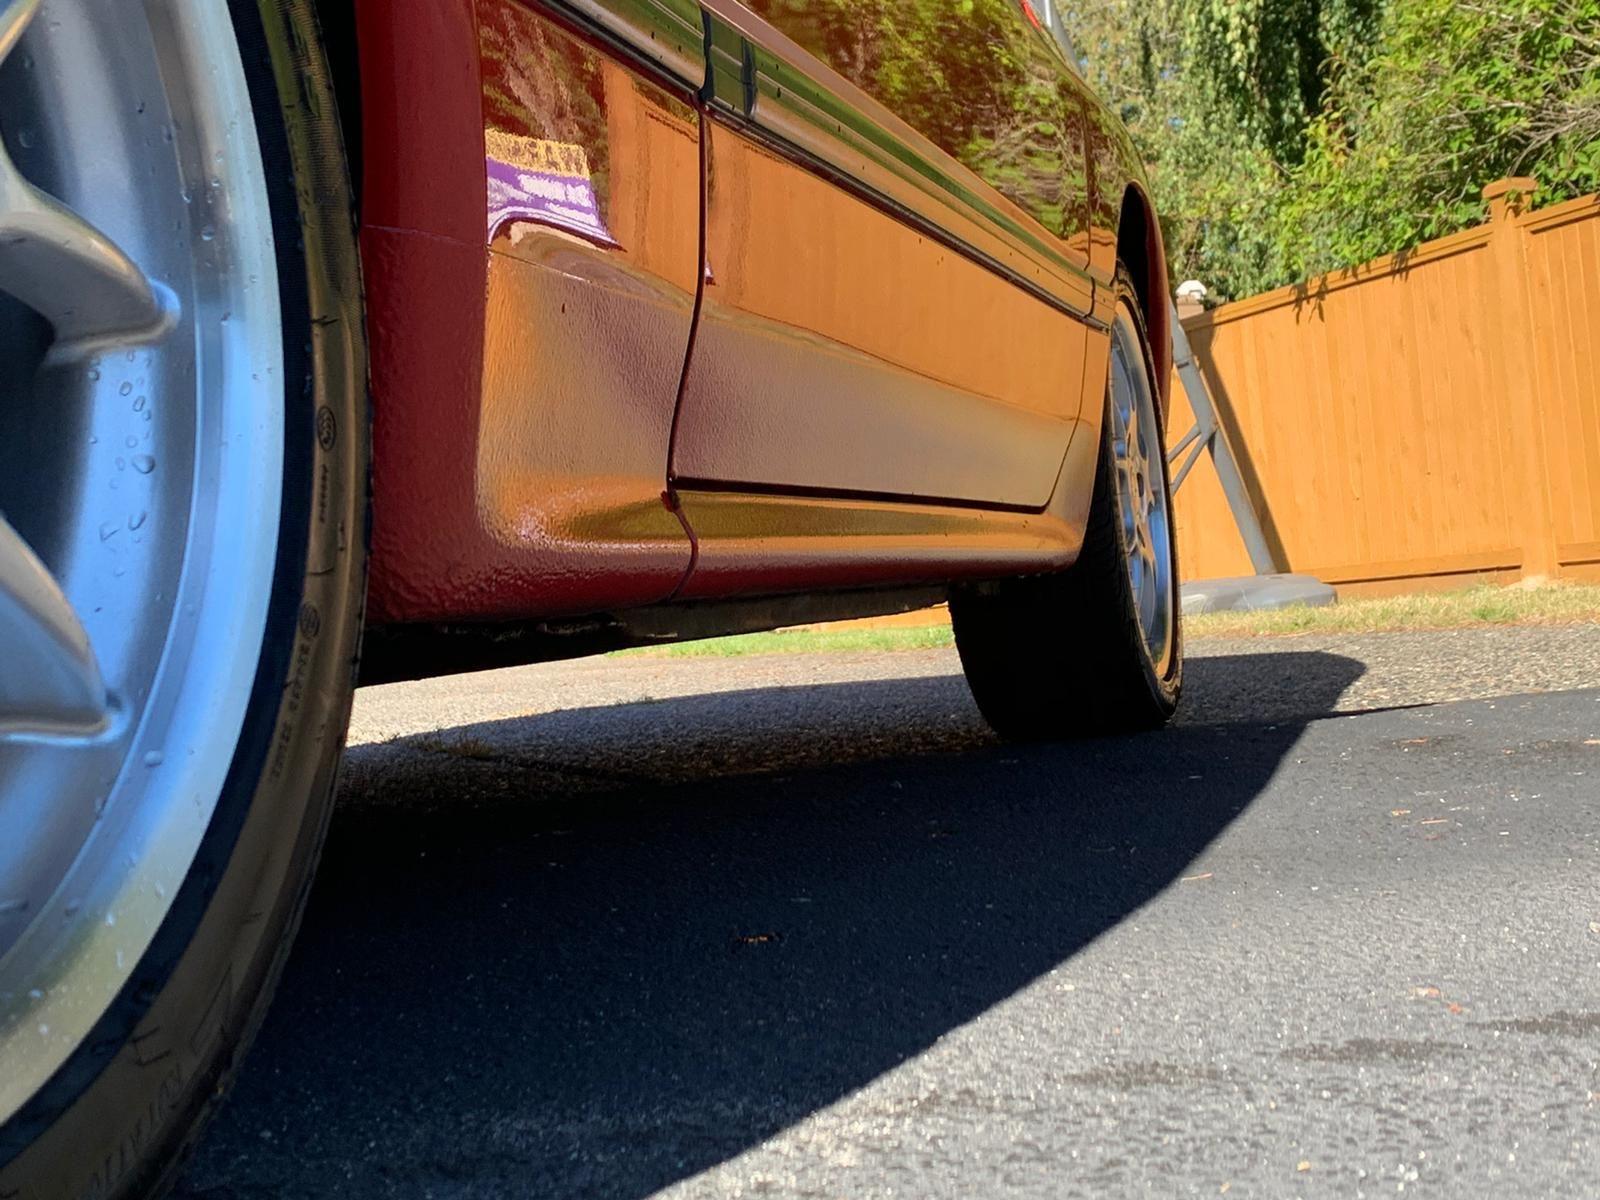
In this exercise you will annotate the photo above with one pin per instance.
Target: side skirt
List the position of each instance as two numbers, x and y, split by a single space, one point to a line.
394 653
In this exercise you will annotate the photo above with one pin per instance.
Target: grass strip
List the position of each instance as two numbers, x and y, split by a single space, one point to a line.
1565 604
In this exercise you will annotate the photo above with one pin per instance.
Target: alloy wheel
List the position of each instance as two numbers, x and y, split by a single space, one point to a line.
1141 490
141 462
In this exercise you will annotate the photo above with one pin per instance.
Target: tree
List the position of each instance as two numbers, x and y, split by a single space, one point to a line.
1287 137
1267 65
1458 95
1195 111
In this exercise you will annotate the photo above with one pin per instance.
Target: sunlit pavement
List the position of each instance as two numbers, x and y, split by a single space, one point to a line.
800 927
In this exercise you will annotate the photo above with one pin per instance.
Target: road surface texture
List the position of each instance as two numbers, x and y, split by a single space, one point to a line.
797 926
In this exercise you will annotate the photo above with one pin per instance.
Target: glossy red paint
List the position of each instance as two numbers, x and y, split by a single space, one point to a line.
531 232
987 87
1122 219
532 235
1138 226
594 262
423 199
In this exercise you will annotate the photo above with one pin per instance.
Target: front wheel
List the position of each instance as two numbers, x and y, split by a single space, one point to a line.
1097 648
183 434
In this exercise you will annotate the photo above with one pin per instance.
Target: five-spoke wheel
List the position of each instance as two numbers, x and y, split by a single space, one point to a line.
178 606
1141 488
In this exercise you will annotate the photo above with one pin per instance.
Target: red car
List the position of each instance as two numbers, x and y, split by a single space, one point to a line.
368 339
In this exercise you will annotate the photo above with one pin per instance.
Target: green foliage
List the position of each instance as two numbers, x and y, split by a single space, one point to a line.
1289 137
1459 94
1266 63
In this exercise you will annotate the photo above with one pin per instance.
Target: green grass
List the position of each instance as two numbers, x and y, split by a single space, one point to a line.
1566 604
808 641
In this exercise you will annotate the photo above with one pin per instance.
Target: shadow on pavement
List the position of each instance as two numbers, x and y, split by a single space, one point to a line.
595 952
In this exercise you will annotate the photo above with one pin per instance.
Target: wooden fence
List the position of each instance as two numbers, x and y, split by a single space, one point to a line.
1420 421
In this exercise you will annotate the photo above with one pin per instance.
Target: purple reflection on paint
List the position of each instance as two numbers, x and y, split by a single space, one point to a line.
546 183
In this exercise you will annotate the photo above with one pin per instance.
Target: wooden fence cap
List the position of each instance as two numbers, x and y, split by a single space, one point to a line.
1521 185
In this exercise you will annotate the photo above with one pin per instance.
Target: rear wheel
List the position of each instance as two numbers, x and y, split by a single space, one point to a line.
1096 648
182 555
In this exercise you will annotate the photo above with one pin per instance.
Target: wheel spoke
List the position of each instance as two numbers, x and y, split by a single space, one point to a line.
67 270
56 262
51 683
14 18
61 266
1134 434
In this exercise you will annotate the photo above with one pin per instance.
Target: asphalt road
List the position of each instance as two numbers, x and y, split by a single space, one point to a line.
800 927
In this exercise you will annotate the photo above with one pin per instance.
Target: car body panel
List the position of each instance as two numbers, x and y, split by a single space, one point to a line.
754 544
896 371
423 198
984 146
520 443
830 357
666 35
594 240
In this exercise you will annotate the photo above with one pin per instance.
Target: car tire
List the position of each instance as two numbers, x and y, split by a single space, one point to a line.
118 1114
1095 649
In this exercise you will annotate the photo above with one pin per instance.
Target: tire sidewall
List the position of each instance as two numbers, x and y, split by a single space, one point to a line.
116 1117
1165 685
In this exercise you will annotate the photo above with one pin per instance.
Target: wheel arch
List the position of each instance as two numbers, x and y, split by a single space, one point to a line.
1140 249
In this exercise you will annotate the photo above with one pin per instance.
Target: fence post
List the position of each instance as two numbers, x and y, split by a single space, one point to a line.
1536 519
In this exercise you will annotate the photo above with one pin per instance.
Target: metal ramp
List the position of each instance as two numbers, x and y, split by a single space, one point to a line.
1269 587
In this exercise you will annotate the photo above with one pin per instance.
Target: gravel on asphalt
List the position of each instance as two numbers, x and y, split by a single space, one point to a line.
598 730
800 927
